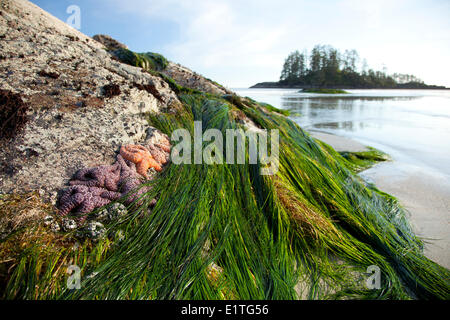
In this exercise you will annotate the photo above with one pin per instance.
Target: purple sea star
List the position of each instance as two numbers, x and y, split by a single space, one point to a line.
127 168
102 177
85 199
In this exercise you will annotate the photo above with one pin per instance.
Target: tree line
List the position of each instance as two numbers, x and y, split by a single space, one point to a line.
326 66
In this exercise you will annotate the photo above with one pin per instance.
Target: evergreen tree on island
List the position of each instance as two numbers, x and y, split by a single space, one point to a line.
327 67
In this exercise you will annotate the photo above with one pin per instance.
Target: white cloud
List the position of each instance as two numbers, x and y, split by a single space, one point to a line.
239 43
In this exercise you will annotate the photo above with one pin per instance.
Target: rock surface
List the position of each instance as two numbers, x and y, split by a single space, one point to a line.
61 74
109 42
190 79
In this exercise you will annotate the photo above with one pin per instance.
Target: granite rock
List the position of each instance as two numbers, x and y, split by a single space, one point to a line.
109 42
59 74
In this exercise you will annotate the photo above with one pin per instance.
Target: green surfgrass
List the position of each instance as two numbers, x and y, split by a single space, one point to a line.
224 231
149 61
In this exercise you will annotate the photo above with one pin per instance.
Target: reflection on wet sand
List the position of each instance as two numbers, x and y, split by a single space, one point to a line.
351 97
343 113
344 125
304 105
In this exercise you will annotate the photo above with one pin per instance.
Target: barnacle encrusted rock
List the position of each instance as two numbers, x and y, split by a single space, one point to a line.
68 224
111 213
93 230
51 223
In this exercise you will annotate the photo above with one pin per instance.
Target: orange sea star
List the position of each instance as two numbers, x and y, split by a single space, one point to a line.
141 156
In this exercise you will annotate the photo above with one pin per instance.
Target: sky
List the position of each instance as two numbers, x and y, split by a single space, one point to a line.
241 42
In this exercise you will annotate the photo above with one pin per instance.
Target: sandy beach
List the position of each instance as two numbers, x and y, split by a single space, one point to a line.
423 193
339 143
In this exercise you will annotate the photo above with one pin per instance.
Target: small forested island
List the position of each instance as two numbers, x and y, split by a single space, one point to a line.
327 68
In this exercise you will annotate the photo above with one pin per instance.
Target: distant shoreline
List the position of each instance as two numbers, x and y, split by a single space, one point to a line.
278 85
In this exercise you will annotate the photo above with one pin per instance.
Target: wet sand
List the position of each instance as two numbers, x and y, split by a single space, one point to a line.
424 193
339 143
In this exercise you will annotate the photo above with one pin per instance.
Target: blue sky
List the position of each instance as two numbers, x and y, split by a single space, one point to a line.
241 42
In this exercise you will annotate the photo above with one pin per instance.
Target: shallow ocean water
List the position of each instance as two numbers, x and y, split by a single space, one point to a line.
412 126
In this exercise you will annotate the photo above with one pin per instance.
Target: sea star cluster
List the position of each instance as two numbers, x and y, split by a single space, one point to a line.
95 187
